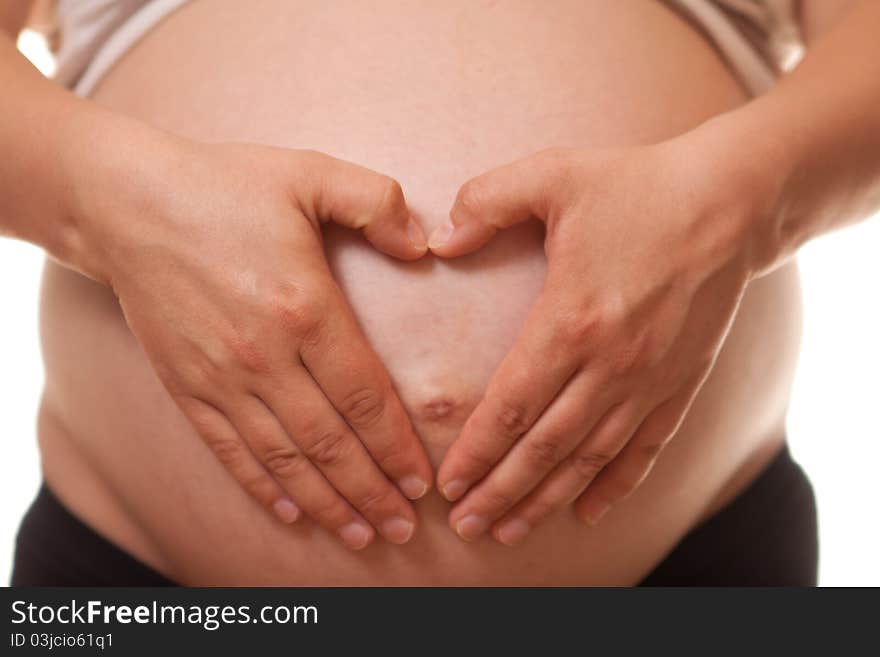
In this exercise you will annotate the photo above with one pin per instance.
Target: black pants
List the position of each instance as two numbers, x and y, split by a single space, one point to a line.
765 537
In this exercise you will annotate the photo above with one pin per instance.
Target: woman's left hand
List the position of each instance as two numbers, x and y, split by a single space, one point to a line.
649 250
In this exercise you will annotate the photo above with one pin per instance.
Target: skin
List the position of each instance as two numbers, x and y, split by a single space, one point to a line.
119 454
628 328
253 329
227 181
254 345
630 338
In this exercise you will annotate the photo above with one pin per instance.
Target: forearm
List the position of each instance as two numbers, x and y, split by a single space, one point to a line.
57 150
811 145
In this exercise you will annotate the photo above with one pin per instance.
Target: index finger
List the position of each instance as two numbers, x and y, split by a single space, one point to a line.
354 380
500 198
525 383
361 199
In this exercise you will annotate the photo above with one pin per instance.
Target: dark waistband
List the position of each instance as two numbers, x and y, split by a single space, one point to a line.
55 548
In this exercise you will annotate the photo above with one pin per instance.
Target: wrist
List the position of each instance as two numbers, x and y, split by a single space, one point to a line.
113 166
745 179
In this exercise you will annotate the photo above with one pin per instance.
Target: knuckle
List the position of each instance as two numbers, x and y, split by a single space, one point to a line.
330 448
544 452
577 329
363 407
627 360
200 374
249 354
589 463
227 450
637 354
596 321
391 199
283 462
393 455
373 499
471 198
497 498
512 419
297 309
477 458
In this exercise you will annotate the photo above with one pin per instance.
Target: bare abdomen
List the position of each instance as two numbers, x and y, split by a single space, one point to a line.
432 96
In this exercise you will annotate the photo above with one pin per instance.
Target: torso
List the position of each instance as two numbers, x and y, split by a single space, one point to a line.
432 95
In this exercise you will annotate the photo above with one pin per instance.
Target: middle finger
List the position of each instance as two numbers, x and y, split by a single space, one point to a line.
573 474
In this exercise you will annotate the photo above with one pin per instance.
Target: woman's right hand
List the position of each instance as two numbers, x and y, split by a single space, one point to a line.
218 265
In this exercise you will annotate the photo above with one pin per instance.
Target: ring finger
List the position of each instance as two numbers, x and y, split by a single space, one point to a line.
302 481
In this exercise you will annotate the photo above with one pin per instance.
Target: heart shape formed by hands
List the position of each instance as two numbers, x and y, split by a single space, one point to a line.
641 290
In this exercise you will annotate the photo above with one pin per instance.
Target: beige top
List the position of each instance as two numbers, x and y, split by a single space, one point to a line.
759 39
94 34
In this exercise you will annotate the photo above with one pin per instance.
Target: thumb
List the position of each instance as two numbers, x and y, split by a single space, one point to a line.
358 198
497 199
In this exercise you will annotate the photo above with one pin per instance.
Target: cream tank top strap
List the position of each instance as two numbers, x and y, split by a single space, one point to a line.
94 34
759 39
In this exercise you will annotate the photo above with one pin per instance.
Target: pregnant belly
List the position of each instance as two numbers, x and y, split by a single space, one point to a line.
432 95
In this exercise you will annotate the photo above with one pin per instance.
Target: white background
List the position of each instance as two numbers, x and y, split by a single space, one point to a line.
833 423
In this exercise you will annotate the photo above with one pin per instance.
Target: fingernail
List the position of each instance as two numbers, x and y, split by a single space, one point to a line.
416 235
470 527
595 512
455 489
413 486
397 530
513 531
355 535
286 510
441 234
